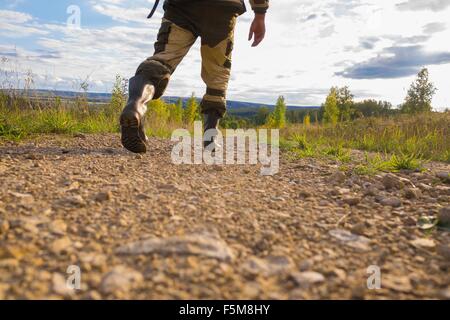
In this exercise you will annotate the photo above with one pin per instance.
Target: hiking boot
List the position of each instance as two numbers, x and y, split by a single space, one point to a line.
212 119
132 126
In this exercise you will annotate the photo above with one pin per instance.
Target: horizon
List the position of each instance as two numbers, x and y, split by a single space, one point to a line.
309 48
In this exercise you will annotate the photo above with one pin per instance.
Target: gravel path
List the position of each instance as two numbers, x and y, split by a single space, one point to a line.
140 227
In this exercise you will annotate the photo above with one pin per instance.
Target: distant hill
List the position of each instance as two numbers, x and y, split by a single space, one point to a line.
239 108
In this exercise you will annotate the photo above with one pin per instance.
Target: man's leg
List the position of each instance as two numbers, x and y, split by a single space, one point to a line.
216 50
151 80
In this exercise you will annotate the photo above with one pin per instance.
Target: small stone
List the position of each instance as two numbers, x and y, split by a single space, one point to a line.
58 227
371 191
341 274
396 283
423 243
359 228
352 201
338 177
4 226
445 294
444 216
80 136
93 259
411 193
444 251
60 245
120 279
360 243
206 245
305 194
391 181
307 278
22 198
59 285
272 265
103 196
444 176
393 202
75 201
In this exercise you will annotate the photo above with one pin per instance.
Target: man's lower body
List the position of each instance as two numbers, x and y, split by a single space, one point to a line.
180 28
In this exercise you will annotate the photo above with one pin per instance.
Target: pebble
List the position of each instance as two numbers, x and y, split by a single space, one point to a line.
397 283
58 227
338 177
423 243
60 245
352 240
352 201
444 176
307 278
192 244
120 279
411 193
444 216
75 201
392 202
103 196
59 285
391 181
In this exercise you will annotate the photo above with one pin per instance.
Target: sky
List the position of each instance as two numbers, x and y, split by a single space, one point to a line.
376 47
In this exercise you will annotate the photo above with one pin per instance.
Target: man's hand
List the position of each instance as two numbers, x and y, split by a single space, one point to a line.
257 29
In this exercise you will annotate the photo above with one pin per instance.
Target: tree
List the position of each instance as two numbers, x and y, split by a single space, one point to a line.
330 108
345 103
373 108
307 120
191 111
118 96
420 94
277 118
262 115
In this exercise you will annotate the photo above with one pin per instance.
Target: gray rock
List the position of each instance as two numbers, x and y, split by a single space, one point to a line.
307 278
272 265
444 251
357 242
194 244
393 202
444 176
444 216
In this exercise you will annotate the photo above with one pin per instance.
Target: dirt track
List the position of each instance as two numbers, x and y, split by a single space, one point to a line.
221 232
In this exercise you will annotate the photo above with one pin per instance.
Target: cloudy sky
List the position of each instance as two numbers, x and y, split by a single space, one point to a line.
374 46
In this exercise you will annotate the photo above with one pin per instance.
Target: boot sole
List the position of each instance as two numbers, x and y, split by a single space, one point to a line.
131 140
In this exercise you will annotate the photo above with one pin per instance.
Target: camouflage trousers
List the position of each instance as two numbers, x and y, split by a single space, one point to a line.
180 28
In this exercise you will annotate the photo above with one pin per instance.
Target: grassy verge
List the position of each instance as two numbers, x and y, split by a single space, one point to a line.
408 138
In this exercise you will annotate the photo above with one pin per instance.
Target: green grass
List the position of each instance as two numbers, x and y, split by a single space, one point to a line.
410 138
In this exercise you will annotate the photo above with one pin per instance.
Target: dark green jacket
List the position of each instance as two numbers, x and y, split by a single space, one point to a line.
259 6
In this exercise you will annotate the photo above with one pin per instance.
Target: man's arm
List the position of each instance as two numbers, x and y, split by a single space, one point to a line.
258 27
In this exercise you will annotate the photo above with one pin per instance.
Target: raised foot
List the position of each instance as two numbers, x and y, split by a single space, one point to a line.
130 124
